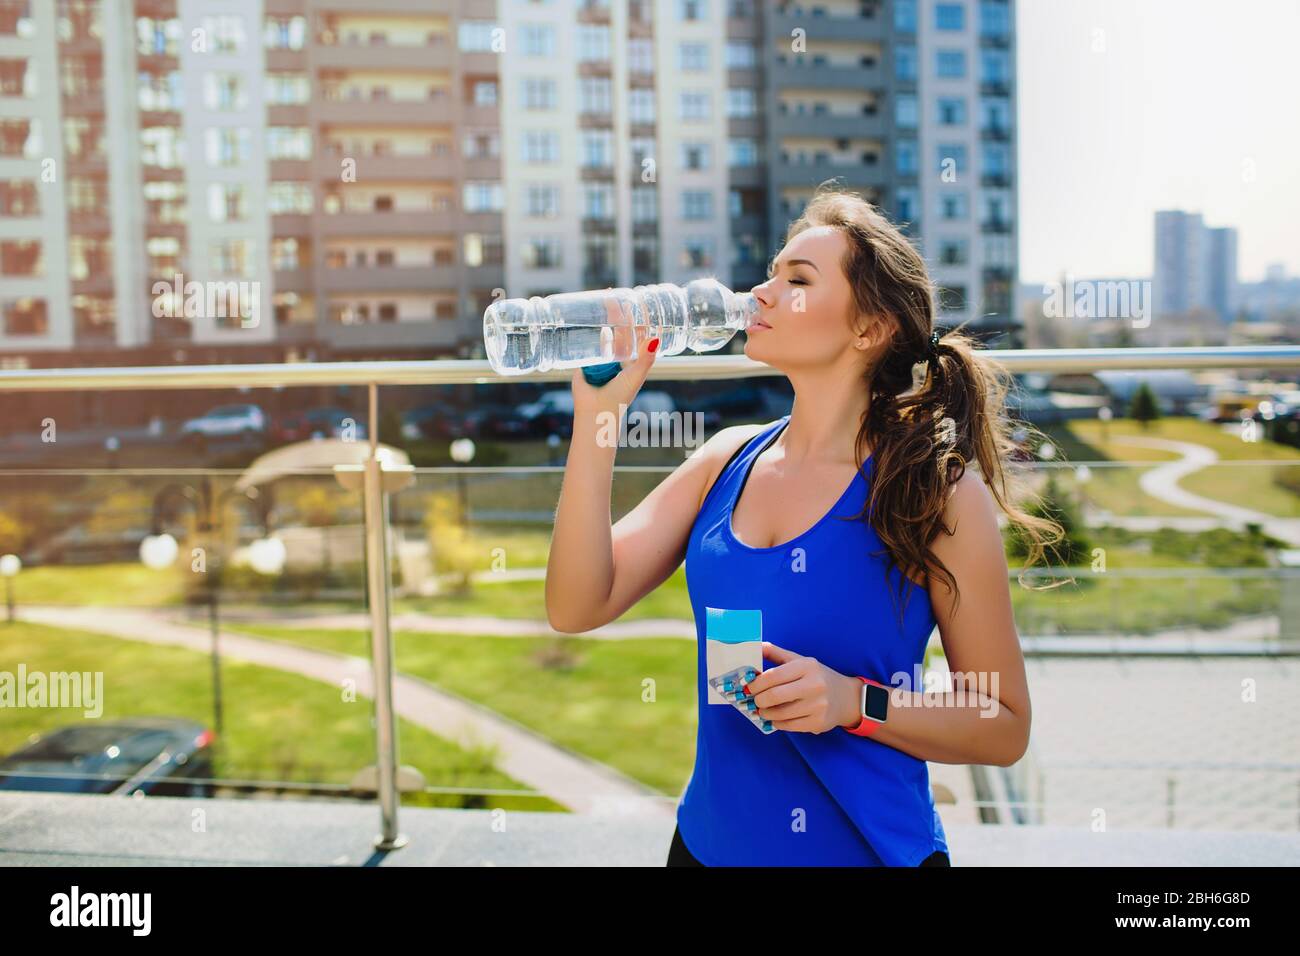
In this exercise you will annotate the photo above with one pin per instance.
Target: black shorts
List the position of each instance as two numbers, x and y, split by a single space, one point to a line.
678 855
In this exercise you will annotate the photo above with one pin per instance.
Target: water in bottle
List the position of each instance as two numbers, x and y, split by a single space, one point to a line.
607 326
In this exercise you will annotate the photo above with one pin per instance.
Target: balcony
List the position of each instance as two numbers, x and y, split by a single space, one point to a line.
812 173
372 168
391 279
804 73
385 56
384 112
810 122
846 29
1196 584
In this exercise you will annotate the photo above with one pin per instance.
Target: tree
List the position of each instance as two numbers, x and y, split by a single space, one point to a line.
1144 408
1074 547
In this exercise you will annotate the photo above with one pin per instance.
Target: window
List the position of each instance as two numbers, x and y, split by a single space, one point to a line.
695 155
954 252
483 197
953 155
694 105
18 77
481 145
697 204
949 16
905 111
280 33
994 67
995 19
287 89
997 159
645 204
742 152
229 146
285 254
539 93
595 95
996 114
950 64
697 253
905 16
21 257
905 156
598 201
640 55
641 105
541 252
741 101
25 316
20 138
741 55
288 198
952 111
954 206
541 146
593 42
19 198
485 93
905 205
288 142
905 64
952 298
691 11
543 201
692 57
227 202
643 148
597 148
475 36
232 257
226 33
537 39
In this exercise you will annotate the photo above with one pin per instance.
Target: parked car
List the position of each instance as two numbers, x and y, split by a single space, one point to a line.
322 423
159 756
226 421
746 400
433 421
551 413
497 420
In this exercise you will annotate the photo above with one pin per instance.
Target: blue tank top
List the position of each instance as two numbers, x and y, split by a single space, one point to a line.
793 798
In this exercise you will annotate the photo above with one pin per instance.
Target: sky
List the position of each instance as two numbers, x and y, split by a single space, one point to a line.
1129 106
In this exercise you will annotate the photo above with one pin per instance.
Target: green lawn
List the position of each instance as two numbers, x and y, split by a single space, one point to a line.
278 726
1116 489
627 703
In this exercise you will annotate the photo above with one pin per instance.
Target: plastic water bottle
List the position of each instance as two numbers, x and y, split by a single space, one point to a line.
597 330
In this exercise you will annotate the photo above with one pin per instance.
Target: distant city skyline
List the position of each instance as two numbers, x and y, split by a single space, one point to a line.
1183 106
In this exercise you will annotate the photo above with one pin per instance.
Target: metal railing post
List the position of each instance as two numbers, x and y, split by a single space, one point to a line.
378 479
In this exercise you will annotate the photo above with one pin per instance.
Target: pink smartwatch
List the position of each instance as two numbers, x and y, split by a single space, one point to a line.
873 707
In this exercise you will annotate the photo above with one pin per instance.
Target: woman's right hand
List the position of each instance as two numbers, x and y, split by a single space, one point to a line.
591 400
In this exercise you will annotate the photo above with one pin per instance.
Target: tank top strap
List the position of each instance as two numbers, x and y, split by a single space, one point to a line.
737 467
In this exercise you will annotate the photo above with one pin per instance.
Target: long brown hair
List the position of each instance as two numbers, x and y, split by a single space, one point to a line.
922 434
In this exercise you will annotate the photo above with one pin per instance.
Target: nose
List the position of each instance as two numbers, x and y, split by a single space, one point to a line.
763 294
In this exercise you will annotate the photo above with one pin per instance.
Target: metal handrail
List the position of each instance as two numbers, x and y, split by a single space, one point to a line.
377 478
682 367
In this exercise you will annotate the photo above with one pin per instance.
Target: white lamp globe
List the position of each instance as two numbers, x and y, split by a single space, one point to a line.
158 551
267 555
10 564
462 450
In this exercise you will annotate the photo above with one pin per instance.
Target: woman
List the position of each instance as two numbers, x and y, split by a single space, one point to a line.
828 521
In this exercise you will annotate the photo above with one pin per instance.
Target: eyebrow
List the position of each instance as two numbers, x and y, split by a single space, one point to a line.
793 262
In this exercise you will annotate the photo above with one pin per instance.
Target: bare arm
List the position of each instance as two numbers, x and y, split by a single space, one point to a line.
594 572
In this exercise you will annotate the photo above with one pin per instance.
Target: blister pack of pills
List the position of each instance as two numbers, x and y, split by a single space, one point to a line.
729 685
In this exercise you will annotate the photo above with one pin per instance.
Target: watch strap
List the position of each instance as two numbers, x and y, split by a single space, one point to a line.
866 726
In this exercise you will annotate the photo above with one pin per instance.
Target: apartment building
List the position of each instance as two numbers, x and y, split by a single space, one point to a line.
1195 266
373 172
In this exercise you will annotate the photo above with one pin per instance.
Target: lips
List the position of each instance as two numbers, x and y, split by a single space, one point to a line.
757 324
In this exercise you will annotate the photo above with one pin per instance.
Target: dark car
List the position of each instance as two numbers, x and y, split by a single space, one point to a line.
742 401
159 756
325 422
433 421
497 420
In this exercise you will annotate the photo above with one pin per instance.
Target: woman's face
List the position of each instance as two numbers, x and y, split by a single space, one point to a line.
804 308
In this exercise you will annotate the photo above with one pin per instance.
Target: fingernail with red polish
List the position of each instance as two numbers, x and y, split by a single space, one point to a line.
653 346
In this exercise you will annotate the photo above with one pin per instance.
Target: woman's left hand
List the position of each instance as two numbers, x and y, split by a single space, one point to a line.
803 694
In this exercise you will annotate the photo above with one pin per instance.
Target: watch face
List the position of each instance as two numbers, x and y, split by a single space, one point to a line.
877 703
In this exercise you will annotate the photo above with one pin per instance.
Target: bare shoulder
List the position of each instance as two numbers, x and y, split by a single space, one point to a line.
971 513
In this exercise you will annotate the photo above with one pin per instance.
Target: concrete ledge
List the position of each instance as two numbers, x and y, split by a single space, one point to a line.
38 829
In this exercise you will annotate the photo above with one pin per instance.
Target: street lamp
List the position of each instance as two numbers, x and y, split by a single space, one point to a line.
10 565
462 453
159 550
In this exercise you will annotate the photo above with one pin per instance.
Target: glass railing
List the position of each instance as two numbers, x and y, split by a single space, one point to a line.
222 594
